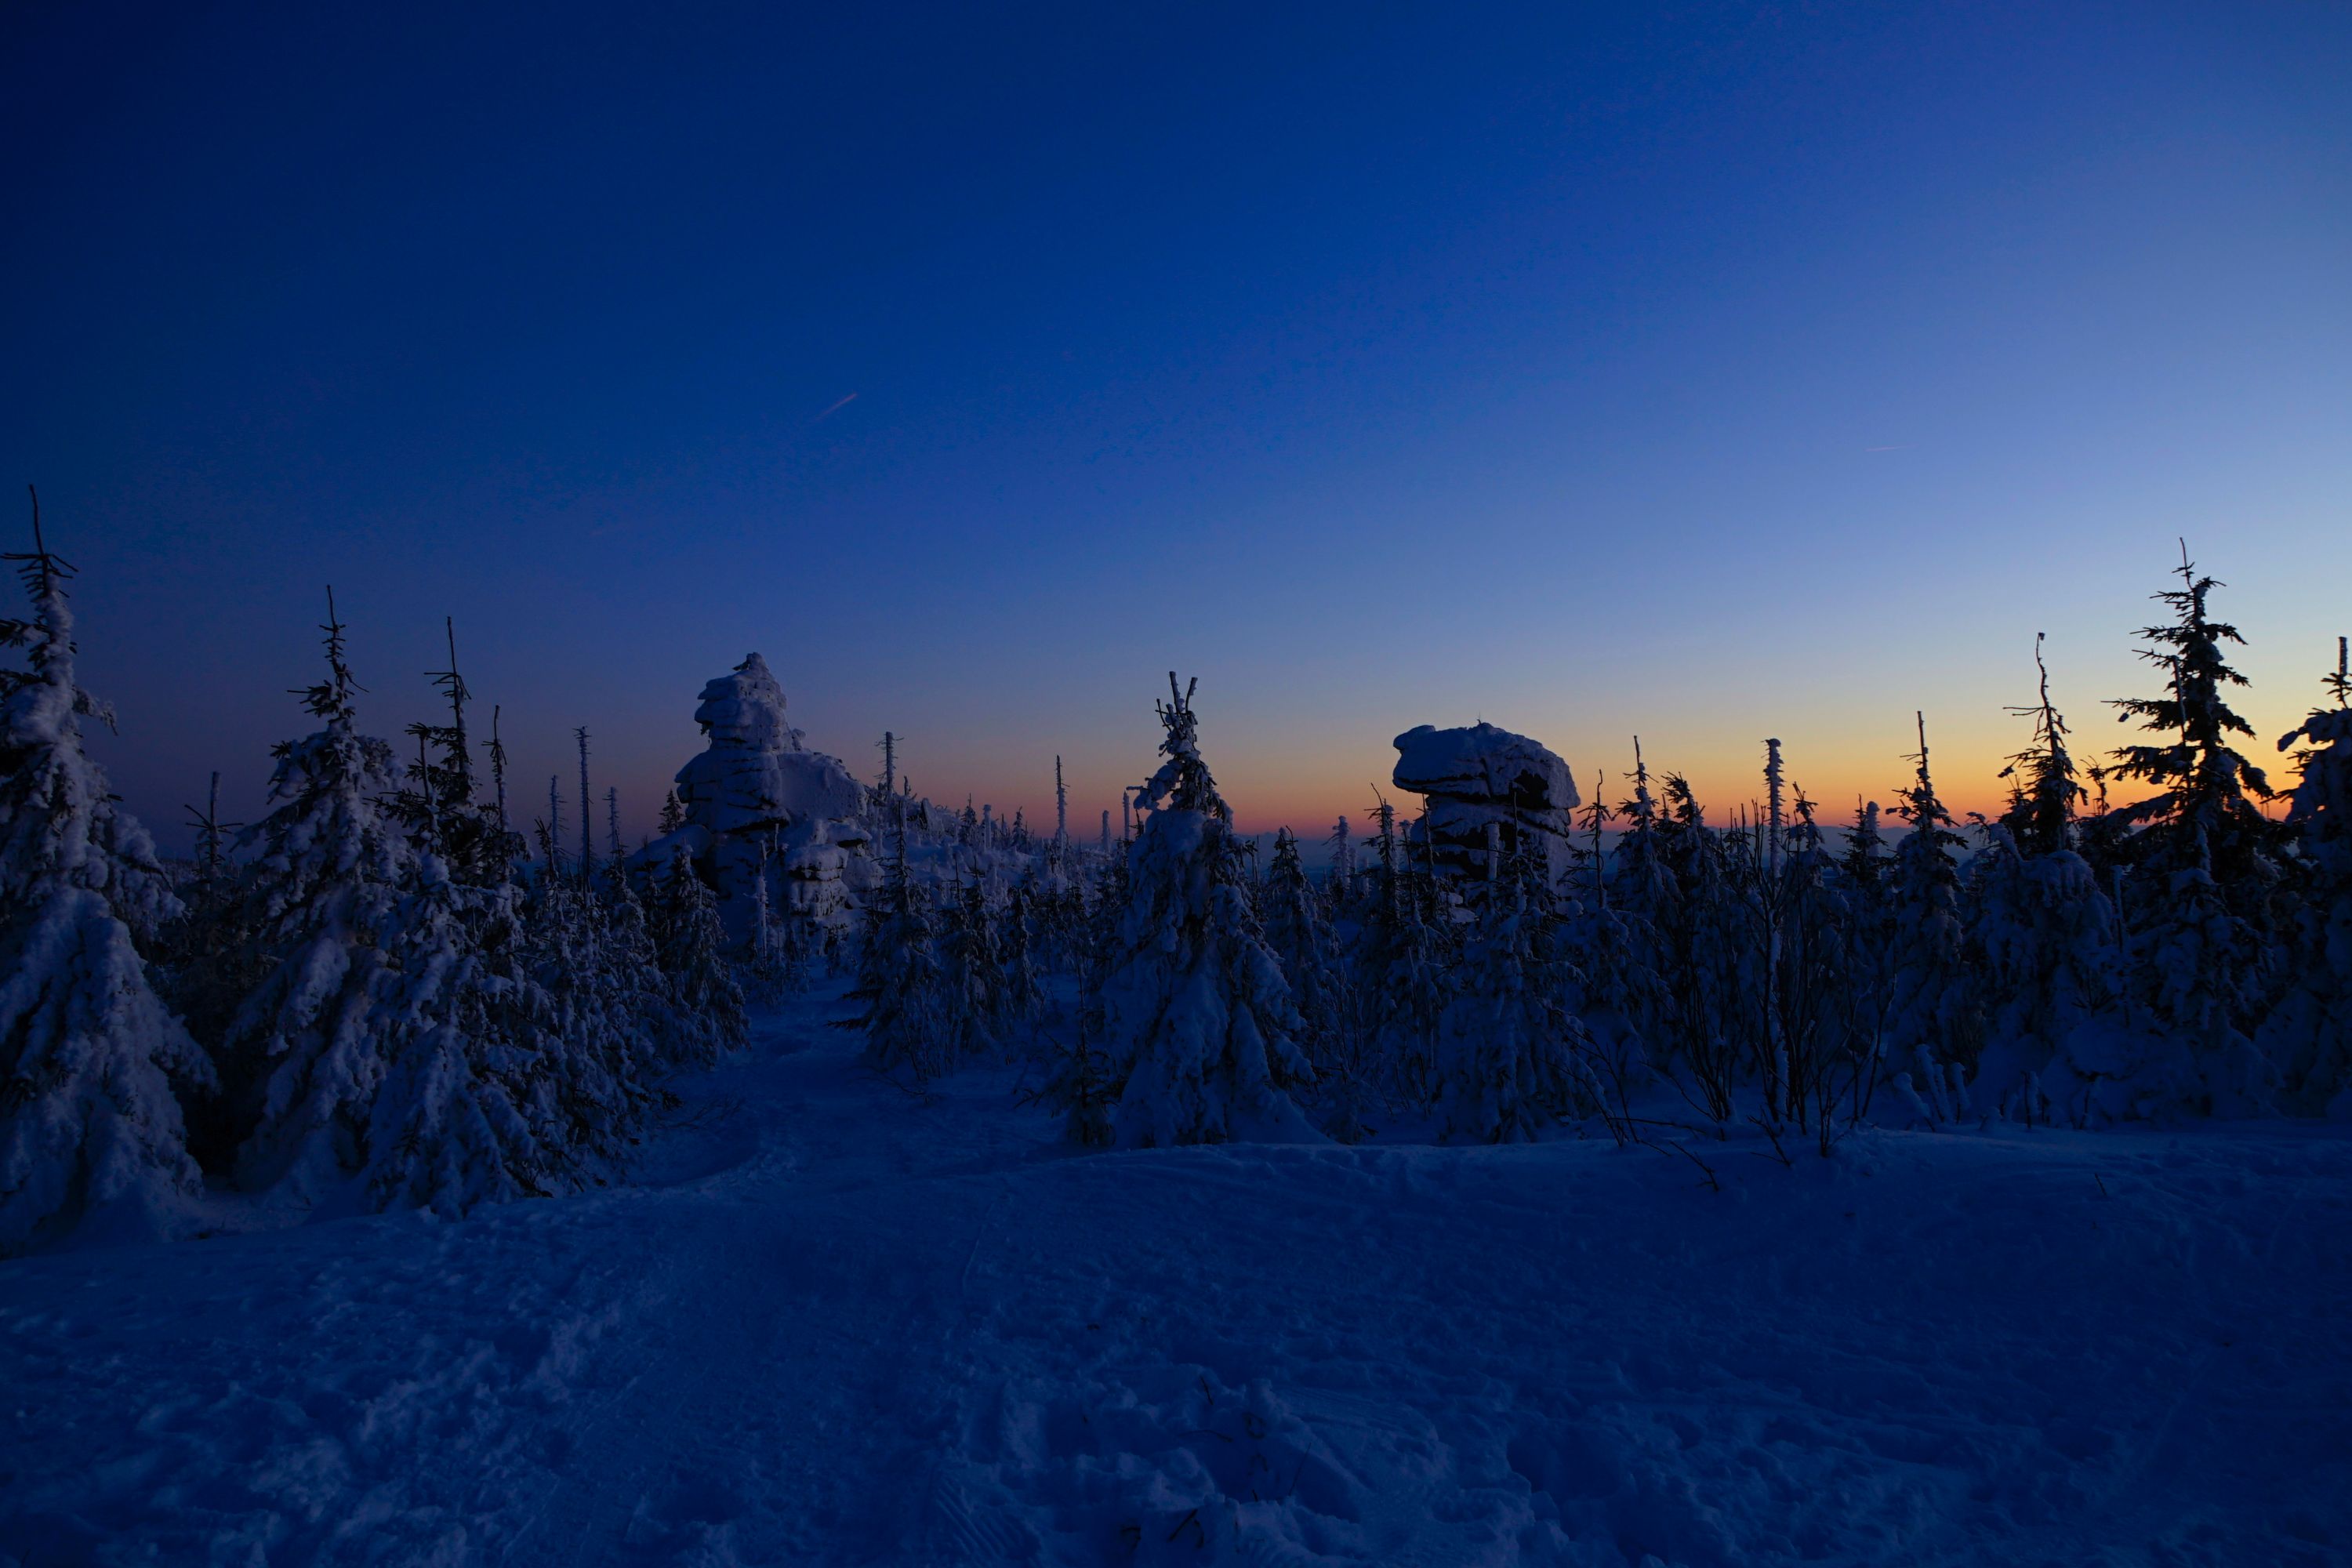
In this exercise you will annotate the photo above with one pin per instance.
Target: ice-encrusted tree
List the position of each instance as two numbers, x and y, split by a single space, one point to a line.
2308 1038
1933 1027
90 1131
1198 1018
310 1043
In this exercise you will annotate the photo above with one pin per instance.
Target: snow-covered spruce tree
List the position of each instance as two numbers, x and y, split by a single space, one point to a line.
310 1043
663 1037
472 1106
1292 914
581 991
1641 882
2307 1039
90 1130
1933 1025
2202 870
1509 1049
1081 1076
2045 790
972 967
774 965
1863 876
1340 888
204 966
437 805
1712 1026
1024 913
1824 1036
399 1037
1404 970
692 947
1198 1019
2041 935
908 1018
1617 992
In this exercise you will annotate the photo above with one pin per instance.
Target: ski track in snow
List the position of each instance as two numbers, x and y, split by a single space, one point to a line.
846 1325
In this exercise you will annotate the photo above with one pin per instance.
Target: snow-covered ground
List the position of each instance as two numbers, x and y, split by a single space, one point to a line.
836 1323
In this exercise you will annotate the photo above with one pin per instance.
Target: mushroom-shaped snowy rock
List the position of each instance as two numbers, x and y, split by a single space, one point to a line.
1480 774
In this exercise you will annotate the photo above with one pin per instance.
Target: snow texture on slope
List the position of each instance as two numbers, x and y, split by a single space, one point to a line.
836 1323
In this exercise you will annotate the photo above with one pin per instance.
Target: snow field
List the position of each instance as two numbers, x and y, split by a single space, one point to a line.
837 1324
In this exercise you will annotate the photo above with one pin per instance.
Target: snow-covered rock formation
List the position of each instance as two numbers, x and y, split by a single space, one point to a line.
761 805
1481 774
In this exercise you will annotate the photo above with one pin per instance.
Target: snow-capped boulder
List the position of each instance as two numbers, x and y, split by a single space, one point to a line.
1481 774
760 803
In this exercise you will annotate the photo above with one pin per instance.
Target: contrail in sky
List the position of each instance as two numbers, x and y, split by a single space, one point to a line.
835 409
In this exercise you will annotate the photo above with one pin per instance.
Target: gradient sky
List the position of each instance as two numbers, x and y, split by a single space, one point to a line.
1585 368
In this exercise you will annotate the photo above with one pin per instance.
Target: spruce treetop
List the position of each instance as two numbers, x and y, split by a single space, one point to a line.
1182 783
2202 783
2046 794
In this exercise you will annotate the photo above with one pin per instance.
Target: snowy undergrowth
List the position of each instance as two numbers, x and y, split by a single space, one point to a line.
839 1323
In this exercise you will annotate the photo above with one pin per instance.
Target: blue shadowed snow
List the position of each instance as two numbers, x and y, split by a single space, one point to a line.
840 1324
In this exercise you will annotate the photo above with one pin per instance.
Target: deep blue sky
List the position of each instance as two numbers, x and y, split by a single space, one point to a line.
1715 375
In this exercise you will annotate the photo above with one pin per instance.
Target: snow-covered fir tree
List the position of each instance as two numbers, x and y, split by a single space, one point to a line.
438 805
1824 1039
908 1015
90 1131
313 1041
1507 1063
1616 989
1933 1028
2202 869
469 1110
2307 1039
972 968
2042 939
1297 928
1017 948
1706 954
1198 1019
692 947
1341 884
1403 967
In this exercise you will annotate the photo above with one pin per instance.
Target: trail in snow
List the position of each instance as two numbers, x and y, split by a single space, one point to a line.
836 1323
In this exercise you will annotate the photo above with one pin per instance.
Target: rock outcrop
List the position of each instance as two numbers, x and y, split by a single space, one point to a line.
760 803
1481 774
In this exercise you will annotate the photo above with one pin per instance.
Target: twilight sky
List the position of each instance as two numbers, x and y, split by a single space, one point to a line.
1741 371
